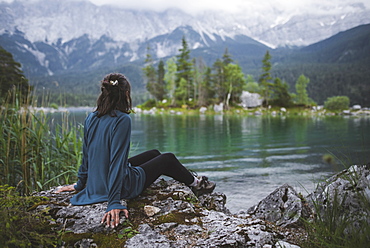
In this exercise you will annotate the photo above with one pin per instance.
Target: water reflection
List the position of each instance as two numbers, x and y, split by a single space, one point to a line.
249 156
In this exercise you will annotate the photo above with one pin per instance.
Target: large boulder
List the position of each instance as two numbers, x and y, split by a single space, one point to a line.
250 100
344 197
283 207
167 214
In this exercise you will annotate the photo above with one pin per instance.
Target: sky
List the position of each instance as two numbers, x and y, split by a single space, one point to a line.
196 6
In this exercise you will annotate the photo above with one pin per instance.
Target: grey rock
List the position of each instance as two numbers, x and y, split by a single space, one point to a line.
77 219
347 193
257 113
148 238
85 243
283 207
214 201
283 244
218 107
188 229
166 226
151 210
356 107
250 100
183 220
230 231
170 205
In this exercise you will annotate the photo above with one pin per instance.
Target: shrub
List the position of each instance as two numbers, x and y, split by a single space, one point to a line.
148 104
337 103
252 87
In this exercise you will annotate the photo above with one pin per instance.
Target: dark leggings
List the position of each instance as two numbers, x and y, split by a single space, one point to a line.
156 164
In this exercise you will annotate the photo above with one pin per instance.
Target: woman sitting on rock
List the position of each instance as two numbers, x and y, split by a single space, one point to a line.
106 172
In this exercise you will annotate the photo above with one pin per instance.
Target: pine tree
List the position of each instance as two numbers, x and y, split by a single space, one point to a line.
170 79
206 91
161 86
281 98
218 79
302 95
181 91
199 70
184 80
11 75
150 74
265 78
226 57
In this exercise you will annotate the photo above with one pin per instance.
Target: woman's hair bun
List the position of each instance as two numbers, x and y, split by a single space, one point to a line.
115 95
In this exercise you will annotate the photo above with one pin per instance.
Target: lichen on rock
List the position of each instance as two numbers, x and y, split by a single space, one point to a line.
177 218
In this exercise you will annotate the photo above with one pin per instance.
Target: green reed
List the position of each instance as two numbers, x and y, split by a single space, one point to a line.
35 154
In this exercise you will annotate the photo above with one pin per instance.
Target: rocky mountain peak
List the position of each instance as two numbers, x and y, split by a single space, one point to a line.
44 34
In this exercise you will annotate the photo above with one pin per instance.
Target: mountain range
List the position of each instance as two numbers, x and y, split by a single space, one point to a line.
54 39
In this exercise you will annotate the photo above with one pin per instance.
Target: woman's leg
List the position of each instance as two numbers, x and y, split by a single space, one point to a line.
143 157
166 164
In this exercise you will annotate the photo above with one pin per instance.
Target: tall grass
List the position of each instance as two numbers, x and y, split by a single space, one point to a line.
35 154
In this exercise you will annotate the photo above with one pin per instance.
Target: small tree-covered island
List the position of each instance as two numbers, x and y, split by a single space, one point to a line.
37 158
189 84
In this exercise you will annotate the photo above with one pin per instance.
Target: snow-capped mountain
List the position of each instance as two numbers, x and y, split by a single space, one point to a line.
51 36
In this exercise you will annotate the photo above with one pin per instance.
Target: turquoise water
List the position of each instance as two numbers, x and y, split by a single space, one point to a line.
250 156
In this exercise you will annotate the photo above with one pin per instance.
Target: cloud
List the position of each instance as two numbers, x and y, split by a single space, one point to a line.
161 5
197 6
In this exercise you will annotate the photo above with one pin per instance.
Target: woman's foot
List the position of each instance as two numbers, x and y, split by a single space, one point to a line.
203 186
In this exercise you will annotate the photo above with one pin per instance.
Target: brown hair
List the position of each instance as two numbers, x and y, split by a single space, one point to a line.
115 95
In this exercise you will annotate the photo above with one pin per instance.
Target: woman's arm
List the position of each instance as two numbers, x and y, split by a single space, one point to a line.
119 149
82 171
120 145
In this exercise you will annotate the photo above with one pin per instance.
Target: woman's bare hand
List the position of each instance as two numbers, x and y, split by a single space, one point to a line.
66 188
112 217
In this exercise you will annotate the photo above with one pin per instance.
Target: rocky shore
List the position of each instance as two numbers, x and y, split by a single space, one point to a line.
168 214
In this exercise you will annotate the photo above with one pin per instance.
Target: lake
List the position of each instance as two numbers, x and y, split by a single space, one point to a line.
250 156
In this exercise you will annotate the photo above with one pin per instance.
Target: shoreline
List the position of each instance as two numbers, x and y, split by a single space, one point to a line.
363 112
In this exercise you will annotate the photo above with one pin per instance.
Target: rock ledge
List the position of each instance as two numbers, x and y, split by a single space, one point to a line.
168 214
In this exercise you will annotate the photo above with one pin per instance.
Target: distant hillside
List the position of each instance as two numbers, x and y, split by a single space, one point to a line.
339 65
351 46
